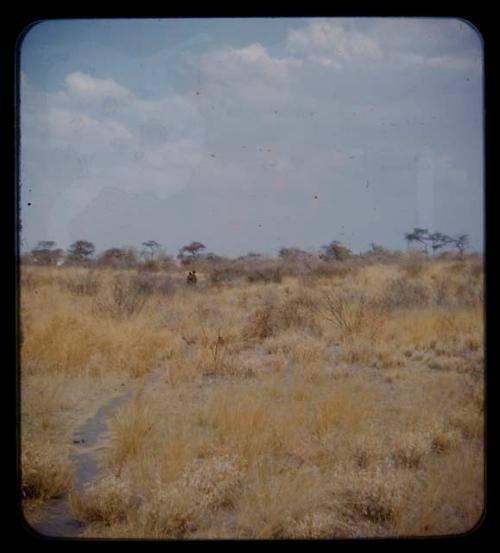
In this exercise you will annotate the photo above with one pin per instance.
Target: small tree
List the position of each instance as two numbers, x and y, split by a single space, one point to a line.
151 249
461 242
57 257
335 251
118 257
420 235
213 257
376 249
291 253
45 245
165 261
81 251
44 253
439 240
194 249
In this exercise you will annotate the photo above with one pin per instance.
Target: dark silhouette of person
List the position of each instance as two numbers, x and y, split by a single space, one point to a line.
192 278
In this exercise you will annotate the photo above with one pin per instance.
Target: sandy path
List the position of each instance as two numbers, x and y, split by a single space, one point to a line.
55 518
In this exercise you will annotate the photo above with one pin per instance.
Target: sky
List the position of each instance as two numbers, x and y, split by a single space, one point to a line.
250 134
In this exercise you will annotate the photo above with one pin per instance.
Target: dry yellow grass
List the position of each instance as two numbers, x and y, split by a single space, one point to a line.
333 406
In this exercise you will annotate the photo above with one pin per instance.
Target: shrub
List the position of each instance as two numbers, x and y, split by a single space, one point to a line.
464 289
319 525
106 500
265 275
262 323
298 312
128 297
336 251
83 284
223 275
149 266
145 283
44 474
205 487
335 269
377 495
413 265
410 449
350 314
404 293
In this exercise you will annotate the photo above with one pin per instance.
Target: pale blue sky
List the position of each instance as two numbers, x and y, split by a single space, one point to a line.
250 134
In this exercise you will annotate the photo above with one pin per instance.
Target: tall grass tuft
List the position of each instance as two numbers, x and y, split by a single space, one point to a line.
127 299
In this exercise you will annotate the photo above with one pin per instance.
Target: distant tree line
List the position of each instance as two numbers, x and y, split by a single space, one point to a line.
83 252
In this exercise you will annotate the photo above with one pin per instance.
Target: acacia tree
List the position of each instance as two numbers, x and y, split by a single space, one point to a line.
45 253
376 249
45 245
461 242
292 253
335 251
194 249
151 249
81 251
439 240
118 257
420 235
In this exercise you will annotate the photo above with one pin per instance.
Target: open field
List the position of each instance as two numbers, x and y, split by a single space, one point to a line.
341 401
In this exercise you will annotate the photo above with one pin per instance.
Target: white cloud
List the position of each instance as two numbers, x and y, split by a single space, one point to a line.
133 123
392 44
90 87
330 44
247 63
244 80
139 147
167 155
325 61
77 125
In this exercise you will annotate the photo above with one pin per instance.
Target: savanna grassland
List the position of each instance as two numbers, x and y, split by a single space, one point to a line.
339 400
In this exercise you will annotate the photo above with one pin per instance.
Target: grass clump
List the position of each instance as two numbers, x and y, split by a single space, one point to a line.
44 474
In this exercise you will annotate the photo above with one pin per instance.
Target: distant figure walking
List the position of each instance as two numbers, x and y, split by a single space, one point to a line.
192 278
